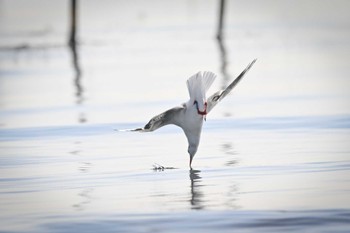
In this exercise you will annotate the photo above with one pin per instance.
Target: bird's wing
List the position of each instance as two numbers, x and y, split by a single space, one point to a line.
170 116
219 95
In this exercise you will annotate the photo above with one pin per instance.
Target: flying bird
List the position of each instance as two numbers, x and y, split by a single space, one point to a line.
190 115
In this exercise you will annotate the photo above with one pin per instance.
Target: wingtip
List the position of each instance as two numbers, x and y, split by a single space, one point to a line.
129 130
250 64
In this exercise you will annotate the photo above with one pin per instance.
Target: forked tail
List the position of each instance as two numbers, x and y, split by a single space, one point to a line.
198 85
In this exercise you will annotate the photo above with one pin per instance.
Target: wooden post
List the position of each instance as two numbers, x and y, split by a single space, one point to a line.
221 19
73 22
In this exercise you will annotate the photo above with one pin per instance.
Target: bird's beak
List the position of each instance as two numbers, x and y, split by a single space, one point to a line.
191 157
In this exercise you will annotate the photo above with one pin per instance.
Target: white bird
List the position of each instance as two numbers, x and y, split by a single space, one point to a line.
190 115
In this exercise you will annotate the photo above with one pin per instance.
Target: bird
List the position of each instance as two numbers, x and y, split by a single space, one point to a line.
190 115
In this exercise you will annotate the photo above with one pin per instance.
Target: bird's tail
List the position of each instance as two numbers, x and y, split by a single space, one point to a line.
198 85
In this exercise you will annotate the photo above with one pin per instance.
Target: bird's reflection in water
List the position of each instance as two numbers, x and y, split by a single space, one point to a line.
196 195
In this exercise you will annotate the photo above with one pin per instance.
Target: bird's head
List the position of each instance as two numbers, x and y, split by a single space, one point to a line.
201 107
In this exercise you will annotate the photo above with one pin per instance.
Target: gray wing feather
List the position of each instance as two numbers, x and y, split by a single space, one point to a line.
218 96
168 117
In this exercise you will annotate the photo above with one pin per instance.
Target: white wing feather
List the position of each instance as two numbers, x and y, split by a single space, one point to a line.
198 85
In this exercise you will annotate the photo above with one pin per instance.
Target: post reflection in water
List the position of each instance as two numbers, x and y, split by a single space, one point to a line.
84 195
73 45
222 47
231 154
77 73
196 195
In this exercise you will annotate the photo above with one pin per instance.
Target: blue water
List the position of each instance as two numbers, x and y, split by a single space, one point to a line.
263 123
91 178
224 221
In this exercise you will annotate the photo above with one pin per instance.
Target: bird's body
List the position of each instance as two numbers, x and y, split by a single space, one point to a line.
190 115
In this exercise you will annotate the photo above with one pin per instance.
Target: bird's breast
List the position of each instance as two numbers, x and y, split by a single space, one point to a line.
193 120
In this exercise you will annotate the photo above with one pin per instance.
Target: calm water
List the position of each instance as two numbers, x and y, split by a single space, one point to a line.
274 156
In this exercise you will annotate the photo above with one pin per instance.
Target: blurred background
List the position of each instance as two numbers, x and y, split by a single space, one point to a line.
73 71
134 57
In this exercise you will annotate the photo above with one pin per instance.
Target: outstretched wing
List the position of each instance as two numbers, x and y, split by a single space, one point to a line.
218 96
170 116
